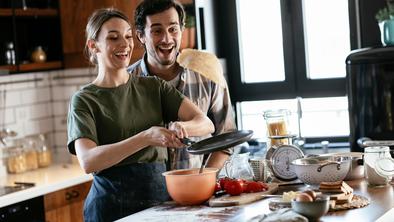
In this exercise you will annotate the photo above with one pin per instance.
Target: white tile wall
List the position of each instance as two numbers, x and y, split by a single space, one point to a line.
34 103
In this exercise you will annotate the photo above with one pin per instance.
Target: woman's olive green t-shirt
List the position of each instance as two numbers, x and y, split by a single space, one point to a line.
110 115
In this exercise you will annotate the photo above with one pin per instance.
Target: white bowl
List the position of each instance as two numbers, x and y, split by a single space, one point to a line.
312 210
314 170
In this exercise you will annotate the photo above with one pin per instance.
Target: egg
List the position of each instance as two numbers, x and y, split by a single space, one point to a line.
311 193
303 197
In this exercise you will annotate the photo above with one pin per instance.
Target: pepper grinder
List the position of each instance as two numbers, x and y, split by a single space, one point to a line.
10 53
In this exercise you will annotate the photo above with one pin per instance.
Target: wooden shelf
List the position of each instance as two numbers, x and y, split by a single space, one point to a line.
31 12
186 2
40 66
10 68
5 12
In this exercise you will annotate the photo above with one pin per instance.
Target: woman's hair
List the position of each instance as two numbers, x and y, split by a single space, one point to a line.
151 7
95 22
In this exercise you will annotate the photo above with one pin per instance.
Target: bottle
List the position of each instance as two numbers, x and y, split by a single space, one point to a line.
10 53
38 55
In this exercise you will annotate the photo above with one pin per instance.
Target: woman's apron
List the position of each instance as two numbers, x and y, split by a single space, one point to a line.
120 191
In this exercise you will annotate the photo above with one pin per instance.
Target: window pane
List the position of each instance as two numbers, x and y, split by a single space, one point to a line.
260 33
327 37
321 117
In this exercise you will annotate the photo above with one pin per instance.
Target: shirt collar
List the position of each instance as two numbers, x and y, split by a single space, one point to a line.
145 71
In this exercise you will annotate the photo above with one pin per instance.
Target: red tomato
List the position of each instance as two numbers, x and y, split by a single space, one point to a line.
253 186
234 187
218 187
223 181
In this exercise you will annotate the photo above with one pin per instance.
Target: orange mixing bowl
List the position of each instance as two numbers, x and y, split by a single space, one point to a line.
188 187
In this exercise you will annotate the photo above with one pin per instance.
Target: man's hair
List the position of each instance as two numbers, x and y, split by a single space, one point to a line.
151 7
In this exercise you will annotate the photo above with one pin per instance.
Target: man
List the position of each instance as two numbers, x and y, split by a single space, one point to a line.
159 25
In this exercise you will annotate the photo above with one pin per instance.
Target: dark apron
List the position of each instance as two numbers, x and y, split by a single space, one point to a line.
120 191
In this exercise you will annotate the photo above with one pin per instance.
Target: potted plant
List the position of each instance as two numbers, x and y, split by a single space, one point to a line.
385 18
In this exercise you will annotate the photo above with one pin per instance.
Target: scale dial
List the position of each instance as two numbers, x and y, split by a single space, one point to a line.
281 158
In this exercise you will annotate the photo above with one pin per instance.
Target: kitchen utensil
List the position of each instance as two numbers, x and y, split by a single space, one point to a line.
220 142
244 198
204 162
258 167
189 187
356 170
279 159
312 210
313 170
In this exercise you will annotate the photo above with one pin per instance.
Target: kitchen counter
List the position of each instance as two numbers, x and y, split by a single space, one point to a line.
381 203
46 180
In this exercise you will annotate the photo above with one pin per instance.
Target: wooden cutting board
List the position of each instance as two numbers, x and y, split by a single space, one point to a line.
244 198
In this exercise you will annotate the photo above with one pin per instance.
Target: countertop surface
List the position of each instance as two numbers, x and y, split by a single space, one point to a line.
46 180
380 208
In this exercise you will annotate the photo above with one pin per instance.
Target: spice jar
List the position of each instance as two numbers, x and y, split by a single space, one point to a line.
16 160
44 154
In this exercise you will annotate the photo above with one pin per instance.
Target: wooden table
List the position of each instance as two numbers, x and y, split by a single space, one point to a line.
381 201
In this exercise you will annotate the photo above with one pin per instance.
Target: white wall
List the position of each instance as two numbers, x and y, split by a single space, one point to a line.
37 102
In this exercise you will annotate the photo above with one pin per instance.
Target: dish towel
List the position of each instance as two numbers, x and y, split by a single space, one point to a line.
281 215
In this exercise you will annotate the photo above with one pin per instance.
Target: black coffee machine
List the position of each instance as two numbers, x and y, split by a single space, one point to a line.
370 89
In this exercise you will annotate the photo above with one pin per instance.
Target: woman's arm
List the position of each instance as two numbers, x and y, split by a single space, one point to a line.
93 158
193 121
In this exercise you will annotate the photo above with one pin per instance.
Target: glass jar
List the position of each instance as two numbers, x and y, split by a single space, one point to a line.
16 160
31 155
44 154
277 126
238 167
378 165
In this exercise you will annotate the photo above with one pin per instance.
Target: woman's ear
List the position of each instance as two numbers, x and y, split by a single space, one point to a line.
92 46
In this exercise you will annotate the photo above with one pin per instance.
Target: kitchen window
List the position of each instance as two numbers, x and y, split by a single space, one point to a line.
288 50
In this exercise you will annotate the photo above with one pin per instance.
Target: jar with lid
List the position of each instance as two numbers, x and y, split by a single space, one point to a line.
378 165
31 154
44 153
277 126
16 160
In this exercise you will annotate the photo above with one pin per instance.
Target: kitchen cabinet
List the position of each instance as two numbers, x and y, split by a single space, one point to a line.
27 25
66 205
74 15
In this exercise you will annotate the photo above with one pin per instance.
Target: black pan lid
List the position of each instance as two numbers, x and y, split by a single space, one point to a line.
220 142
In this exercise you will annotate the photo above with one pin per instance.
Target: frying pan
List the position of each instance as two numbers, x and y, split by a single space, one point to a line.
217 143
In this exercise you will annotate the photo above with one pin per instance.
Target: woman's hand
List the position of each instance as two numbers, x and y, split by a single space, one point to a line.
160 136
178 129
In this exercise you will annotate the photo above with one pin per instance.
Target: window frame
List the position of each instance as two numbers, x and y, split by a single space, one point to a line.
296 83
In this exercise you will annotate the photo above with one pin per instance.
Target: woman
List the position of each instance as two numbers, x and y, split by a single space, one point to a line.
115 124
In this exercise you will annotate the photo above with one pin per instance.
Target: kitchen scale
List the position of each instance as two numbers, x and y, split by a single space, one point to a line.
279 158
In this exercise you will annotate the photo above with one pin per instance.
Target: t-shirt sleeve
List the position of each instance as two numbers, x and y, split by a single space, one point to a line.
80 122
171 101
